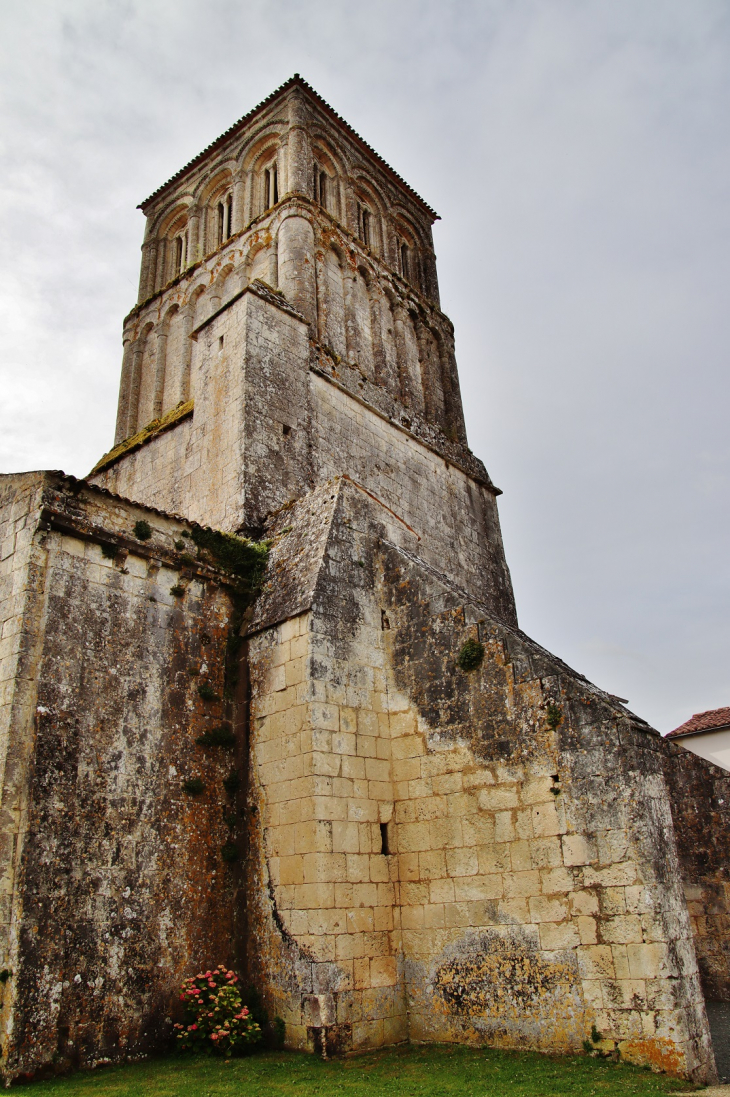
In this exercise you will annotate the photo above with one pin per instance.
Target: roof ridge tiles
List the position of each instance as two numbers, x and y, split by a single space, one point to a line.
294 81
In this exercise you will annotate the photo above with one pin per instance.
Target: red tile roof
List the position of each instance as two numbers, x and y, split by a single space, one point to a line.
704 721
294 81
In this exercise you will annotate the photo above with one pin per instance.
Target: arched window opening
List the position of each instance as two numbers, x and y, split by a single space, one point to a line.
320 186
179 254
225 219
363 224
271 186
405 265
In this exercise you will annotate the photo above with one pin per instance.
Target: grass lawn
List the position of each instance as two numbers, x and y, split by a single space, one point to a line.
405 1071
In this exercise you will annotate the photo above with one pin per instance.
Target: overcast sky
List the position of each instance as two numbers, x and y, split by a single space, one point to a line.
578 154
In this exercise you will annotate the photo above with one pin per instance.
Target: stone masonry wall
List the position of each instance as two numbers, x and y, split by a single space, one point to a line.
700 802
113 877
266 429
429 856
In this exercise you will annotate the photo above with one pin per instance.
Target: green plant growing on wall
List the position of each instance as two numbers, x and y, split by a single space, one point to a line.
207 692
109 551
553 716
217 737
142 530
5 975
216 1018
194 786
177 591
242 558
471 655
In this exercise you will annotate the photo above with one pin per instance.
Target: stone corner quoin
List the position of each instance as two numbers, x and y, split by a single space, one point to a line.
303 772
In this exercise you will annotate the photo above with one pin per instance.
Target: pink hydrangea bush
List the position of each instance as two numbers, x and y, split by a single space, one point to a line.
216 1019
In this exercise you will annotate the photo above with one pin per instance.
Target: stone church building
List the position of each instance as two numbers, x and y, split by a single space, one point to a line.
352 777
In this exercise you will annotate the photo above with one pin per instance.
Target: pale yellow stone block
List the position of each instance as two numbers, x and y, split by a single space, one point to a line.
577 850
432 865
558 935
361 972
344 742
291 870
330 807
478 778
377 769
345 837
494 859
365 895
619 875
462 862
587 930
504 827
362 810
350 946
519 884
414 893
497 798
457 915
327 765
360 920
596 962
403 725
293 627
625 929
348 720
433 916
379 868
406 769
537 790
313 896
583 902
521 856
430 807
408 866
441 891
592 994
478 888
324 866
461 804
649 961
413 837
358 867
367 746
380 790
545 909
556 880
447 784
383 971
412 917
384 748
383 918
407 746
445 833
324 922
295 671
324 716
477 830
434 765
546 820
367 723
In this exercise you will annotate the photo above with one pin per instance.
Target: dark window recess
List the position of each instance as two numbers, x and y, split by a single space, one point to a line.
271 187
179 255
286 429
384 848
363 224
404 264
384 621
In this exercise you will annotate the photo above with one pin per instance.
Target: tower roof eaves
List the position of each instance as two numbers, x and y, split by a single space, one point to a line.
294 81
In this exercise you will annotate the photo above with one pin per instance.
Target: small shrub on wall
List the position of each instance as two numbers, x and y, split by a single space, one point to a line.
216 1022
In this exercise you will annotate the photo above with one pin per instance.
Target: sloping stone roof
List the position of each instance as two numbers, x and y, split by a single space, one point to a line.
294 81
711 720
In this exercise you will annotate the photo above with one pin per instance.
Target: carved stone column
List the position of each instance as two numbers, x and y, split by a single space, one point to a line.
160 362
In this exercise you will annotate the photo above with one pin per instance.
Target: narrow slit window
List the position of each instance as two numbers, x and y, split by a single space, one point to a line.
404 264
267 188
179 254
384 846
229 217
274 185
221 223
365 236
